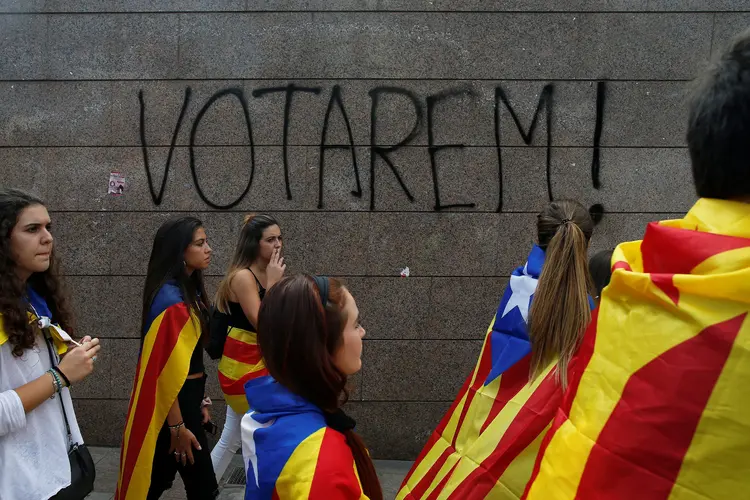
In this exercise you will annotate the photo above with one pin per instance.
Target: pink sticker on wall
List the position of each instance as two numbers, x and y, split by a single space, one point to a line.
116 183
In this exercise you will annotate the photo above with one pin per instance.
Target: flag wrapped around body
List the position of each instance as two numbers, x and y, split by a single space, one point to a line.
171 336
659 407
290 452
486 444
240 362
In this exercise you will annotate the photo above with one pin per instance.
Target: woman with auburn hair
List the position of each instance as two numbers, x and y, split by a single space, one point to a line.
256 266
296 440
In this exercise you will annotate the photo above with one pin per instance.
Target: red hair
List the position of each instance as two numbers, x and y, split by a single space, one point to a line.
298 337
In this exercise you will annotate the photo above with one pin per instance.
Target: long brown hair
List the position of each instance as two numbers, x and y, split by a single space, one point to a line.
298 337
245 254
166 264
560 310
48 284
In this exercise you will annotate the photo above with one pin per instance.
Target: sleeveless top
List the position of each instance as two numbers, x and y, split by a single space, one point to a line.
241 359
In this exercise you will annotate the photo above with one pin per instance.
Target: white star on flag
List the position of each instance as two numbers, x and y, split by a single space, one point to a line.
522 288
249 425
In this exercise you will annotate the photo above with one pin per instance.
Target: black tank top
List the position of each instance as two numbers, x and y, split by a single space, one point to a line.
237 318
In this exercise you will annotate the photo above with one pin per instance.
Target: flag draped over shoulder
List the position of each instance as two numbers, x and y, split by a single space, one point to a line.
42 309
660 408
171 337
290 452
486 444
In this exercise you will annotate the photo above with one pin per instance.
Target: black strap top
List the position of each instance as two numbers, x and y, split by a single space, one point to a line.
196 360
237 318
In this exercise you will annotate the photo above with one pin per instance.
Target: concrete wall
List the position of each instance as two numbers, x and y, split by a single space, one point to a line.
70 77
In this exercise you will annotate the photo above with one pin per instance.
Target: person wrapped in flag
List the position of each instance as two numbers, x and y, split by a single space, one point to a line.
486 444
296 440
164 431
256 266
659 407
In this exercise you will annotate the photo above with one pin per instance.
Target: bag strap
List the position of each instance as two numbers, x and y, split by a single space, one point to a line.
48 341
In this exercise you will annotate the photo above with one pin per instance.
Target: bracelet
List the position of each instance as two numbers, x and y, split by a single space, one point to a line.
56 383
62 375
177 427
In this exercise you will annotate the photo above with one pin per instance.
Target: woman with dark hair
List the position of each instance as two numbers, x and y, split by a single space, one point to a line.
600 267
494 429
164 428
296 440
256 266
37 420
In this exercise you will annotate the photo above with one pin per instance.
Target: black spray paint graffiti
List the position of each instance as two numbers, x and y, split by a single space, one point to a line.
377 150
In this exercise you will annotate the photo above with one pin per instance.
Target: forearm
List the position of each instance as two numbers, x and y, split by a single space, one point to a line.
174 416
36 392
15 404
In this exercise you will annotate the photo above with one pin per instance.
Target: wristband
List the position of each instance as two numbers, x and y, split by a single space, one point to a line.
62 375
56 383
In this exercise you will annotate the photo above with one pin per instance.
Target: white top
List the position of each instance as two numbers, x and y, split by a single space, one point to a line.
34 446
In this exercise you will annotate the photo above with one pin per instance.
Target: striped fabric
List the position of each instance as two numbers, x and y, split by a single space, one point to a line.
240 362
289 451
163 366
660 408
486 444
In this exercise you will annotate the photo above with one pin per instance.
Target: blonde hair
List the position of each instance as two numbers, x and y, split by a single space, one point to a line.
245 253
560 311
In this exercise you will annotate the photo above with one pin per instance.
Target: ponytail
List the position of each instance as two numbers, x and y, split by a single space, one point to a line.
560 310
368 477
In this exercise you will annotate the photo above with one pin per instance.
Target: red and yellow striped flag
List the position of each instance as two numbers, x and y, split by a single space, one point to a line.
659 409
486 445
240 362
163 365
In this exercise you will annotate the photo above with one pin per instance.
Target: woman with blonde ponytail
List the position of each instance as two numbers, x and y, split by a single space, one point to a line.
493 431
561 309
257 265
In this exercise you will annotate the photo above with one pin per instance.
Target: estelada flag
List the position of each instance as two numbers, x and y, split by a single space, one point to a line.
289 450
486 445
171 336
660 409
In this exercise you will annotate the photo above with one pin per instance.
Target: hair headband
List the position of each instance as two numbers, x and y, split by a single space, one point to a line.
322 283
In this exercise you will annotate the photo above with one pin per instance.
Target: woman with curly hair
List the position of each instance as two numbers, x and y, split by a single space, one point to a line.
35 428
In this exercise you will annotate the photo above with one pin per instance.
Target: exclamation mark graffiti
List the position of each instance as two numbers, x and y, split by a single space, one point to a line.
597 210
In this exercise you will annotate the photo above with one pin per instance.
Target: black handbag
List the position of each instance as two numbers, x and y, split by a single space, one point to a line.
82 471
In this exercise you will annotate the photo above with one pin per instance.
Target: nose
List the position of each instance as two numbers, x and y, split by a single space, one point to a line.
46 237
208 249
363 333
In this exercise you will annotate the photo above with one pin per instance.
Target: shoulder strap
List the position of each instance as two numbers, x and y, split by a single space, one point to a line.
48 341
260 287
